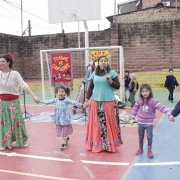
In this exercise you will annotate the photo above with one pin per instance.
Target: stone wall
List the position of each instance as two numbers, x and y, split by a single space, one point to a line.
148 15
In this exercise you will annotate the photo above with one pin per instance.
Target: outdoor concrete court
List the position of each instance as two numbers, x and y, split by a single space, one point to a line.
42 159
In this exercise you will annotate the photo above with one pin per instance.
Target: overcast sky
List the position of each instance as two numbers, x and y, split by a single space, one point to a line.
37 12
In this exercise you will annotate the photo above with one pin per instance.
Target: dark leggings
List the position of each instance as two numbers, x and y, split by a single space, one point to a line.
170 97
149 130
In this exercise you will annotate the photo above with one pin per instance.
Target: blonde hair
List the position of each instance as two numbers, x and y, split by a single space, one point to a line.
133 75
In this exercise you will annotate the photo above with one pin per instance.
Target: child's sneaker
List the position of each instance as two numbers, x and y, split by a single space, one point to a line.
139 151
63 147
150 154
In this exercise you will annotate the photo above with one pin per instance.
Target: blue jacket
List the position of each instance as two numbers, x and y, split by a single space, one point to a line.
170 82
175 112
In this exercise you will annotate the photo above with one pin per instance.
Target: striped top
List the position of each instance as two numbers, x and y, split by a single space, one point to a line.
146 112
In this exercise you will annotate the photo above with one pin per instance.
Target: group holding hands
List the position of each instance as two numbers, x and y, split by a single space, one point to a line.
103 129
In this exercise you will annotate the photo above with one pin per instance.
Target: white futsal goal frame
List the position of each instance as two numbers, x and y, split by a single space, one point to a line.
116 54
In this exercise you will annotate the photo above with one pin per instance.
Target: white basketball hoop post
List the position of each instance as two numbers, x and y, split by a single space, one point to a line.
86 43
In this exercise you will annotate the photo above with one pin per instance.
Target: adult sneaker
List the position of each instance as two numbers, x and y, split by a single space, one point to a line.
9 147
2 148
25 144
139 151
150 154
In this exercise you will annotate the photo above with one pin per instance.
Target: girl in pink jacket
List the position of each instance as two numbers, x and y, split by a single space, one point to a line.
145 109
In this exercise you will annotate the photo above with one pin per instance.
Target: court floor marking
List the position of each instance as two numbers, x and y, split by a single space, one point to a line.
158 164
36 157
106 163
34 175
65 160
89 172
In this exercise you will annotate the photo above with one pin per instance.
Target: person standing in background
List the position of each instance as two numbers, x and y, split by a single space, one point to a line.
133 87
80 97
127 80
170 84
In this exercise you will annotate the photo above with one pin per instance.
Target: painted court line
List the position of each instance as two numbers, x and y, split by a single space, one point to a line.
89 172
157 164
106 163
34 175
35 157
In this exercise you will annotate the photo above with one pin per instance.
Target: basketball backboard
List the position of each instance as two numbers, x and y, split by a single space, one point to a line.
61 11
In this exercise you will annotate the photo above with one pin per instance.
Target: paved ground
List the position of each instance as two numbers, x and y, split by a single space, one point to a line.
42 159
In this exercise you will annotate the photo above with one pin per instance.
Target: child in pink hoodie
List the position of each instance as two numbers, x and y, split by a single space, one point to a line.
145 109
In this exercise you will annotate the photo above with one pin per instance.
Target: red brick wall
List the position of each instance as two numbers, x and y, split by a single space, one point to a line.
147 46
176 44
9 43
26 50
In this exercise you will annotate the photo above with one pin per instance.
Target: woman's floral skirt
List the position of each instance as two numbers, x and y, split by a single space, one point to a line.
12 126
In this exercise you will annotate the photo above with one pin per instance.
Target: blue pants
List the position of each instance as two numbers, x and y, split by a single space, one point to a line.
149 130
170 97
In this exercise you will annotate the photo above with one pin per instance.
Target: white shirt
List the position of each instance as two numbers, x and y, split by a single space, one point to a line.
10 83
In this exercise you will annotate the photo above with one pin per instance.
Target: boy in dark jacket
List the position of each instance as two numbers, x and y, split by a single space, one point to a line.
170 84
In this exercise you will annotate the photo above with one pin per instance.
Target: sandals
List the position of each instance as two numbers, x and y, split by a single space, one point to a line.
64 145
67 141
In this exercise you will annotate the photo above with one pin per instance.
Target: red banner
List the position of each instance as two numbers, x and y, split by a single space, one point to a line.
61 69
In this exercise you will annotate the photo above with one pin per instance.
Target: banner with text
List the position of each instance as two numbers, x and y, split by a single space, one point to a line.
95 54
61 69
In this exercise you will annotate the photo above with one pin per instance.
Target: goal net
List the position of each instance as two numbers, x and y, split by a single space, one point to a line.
80 59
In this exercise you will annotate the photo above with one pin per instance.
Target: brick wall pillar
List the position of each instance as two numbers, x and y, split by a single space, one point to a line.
114 41
114 34
176 44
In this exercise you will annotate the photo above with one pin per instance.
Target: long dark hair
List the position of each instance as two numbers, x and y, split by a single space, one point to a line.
9 58
66 89
148 87
97 72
